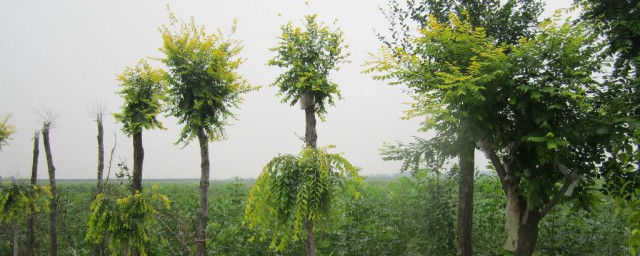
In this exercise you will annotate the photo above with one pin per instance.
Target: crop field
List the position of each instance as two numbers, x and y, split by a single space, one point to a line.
394 216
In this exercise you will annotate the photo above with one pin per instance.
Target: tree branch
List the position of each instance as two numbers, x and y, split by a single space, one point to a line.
568 179
184 244
490 153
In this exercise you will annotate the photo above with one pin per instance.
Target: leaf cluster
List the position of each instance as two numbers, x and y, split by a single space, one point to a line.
143 91
452 66
505 21
309 54
293 189
619 21
18 199
204 83
6 130
125 220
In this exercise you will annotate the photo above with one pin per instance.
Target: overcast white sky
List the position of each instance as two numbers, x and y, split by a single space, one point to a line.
65 55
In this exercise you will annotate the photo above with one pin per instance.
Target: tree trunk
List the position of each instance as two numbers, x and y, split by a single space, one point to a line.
100 138
310 135
201 230
138 158
34 181
53 206
465 199
528 234
310 243
136 186
16 251
311 141
522 226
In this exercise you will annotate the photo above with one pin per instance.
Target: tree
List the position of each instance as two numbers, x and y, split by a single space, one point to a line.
204 87
142 90
309 56
19 199
532 108
53 206
98 113
6 130
503 22
34 180
618 22
293 191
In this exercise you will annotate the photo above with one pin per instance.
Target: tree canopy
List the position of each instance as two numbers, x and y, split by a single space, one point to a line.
142 90
309 54
204 84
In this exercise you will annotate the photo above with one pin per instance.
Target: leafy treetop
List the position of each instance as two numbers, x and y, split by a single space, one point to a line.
204 82
309 56
142 90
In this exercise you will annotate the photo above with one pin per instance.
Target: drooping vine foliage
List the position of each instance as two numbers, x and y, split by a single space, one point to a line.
19 199
292 189
125 221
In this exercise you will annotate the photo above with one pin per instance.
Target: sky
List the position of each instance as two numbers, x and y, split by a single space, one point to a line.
62 57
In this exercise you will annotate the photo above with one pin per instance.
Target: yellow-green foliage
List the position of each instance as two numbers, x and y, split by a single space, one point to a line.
125 220
309 54
142 91
292 189
19 199
6 130
204 82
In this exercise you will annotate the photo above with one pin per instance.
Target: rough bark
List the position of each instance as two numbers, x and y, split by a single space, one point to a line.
53 206
310 243
100 138
465 199
97 248
201 229
310 135
138 159
311 140
34 181
527 234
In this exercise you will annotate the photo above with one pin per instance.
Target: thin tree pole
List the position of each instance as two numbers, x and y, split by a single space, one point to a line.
311 141
53 206
201 229
34 180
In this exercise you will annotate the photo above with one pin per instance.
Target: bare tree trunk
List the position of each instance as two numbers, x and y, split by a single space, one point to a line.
522 226
136 187
53 206
100 138
201 229
465 199
311 141
310 135
16 250
138 158
528 234
34 181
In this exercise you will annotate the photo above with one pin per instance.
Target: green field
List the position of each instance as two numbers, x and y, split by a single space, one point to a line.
394 216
